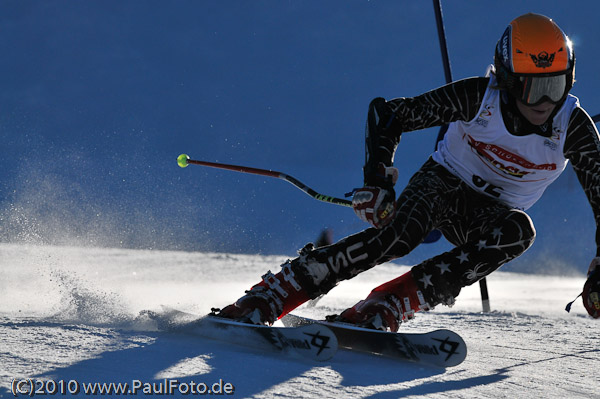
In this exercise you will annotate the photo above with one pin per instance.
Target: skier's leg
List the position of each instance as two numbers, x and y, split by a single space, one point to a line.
486 238
316 271
496 236
313 273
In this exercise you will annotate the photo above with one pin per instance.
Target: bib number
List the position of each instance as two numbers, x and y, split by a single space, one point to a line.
488 188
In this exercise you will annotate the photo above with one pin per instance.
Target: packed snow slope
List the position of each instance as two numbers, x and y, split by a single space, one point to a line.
73 315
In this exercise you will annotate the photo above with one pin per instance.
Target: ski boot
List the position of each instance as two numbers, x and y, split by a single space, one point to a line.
386 306
274 297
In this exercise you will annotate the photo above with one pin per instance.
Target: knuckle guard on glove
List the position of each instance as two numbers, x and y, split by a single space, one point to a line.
374 205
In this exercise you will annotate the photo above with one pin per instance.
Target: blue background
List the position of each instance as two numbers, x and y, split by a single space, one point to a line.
98 98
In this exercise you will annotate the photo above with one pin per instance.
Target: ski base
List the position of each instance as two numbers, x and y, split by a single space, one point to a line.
440 348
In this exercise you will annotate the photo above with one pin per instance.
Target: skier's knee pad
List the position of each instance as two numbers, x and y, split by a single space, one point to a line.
518 227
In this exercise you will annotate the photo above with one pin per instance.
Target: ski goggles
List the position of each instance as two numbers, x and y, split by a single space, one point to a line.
537 89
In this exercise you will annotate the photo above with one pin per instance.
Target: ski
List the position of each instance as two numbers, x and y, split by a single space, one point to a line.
314 341
440 348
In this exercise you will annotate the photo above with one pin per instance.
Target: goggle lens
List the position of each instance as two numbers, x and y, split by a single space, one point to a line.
535 88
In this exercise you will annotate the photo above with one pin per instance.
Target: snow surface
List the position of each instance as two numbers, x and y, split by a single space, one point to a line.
69 313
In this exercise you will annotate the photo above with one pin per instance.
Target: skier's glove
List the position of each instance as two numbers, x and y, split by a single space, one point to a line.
377 205
591 289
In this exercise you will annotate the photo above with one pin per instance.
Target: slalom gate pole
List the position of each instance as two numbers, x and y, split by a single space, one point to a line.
183 161
439 19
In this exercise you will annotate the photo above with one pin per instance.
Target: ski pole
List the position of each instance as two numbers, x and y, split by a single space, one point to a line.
184 160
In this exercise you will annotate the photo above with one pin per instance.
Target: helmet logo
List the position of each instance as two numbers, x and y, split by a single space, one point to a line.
505 48
504 45
543 59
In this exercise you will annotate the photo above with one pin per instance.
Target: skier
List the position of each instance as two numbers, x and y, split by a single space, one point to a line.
510 135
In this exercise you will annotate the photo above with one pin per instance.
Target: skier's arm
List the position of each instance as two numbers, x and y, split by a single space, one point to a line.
387 120
582 148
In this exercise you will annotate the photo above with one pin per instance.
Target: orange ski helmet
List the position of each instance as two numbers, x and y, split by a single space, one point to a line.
534 60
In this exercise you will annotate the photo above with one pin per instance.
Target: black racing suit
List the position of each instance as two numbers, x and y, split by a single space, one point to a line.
486 232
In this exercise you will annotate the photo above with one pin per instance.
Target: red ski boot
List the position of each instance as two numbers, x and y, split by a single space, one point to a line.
274 297
387 305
